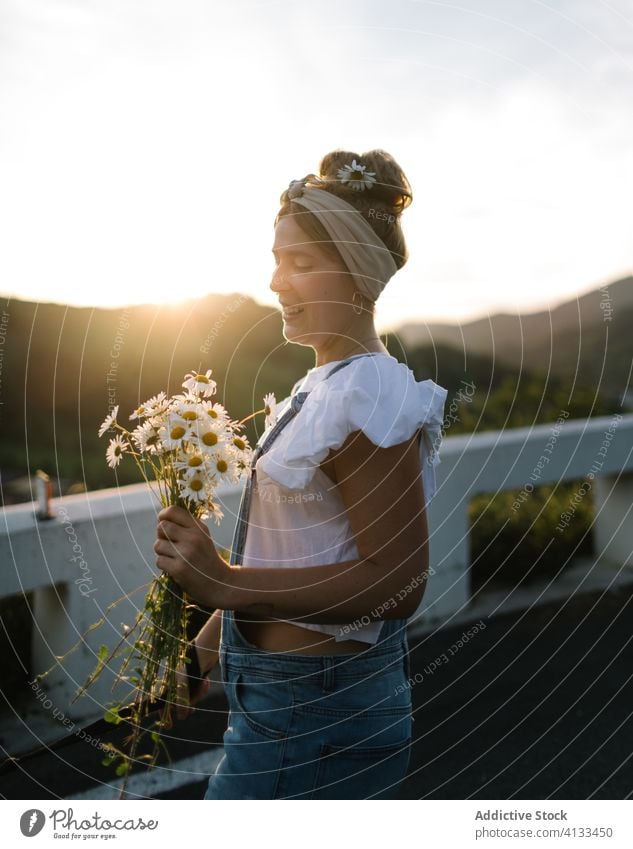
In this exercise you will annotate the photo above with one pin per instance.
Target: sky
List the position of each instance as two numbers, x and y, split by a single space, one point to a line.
144 145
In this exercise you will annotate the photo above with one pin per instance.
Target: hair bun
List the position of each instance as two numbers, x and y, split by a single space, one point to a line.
391 189
381 204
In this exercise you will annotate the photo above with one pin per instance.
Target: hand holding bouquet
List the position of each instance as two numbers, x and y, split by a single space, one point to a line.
187 445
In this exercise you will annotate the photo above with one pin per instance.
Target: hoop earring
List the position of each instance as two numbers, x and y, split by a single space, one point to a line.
360 309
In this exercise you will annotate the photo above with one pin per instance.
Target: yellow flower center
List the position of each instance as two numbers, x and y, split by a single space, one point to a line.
139 411
190 415
239 443
202 378
267 410
117 450
196 484
210 438
213 414
194 461
222 466
177 432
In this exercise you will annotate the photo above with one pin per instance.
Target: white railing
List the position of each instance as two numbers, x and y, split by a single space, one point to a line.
98 545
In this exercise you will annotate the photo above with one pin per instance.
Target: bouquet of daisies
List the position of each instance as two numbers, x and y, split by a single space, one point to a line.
186 445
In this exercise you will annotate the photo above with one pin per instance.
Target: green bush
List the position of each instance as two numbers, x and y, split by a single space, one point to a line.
516 542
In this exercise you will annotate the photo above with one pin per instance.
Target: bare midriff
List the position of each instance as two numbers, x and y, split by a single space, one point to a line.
273 635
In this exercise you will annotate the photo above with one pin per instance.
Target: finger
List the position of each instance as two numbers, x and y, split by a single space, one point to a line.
166 564
165 547
170 530
177 515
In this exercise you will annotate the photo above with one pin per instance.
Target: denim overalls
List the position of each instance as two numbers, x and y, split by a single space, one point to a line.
311 726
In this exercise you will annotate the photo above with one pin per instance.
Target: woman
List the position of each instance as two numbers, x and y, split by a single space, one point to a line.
330 554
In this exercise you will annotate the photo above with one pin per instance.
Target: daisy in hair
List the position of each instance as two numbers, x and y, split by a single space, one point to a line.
356 176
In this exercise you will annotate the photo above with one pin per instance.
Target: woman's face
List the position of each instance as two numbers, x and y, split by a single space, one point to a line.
314 289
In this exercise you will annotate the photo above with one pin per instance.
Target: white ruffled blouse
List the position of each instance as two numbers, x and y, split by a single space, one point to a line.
297 517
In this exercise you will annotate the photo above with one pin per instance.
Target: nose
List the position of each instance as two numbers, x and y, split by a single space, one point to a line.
277 283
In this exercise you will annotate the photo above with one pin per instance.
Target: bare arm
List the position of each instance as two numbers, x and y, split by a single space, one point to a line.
384 501
207 642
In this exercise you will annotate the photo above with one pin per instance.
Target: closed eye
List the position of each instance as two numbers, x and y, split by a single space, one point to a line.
299 265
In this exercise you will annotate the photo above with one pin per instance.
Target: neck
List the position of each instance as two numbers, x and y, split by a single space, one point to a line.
367 343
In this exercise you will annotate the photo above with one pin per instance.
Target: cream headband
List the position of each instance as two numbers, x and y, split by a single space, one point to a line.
364 253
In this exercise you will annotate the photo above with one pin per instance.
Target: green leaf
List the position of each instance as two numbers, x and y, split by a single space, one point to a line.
112 715
155 737
103 653
108 761
122 768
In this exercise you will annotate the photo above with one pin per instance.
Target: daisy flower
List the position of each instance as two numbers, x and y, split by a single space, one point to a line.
191 411
209 433
193 488
146 438
201 384
191 462
223 465
115 451
184 398
214 510
173 431
270 410
356 176
240 442
109 421
215 410
156 404
242 451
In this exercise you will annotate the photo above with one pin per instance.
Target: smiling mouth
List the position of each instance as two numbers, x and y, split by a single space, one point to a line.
290 312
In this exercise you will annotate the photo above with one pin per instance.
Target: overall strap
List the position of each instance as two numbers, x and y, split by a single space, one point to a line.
293 408
239 535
